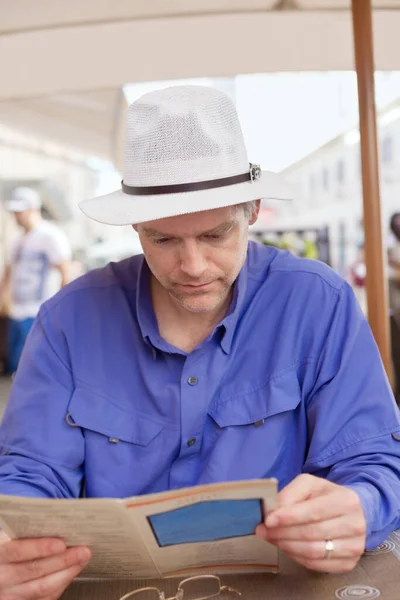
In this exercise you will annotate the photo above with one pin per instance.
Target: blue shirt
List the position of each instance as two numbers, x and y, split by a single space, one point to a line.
290 381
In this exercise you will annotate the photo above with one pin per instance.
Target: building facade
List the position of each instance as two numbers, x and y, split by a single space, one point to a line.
328 191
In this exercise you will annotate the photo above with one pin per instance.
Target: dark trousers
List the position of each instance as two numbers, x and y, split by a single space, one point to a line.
17 334
395 341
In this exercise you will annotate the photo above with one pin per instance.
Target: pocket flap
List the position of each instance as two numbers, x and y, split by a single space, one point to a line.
278 395
92 411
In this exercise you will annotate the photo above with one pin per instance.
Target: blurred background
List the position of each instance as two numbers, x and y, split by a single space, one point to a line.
68 71
301 124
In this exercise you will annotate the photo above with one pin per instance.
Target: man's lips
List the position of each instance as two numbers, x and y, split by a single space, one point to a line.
194 287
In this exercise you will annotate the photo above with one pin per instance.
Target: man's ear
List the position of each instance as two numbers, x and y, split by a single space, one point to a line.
255 213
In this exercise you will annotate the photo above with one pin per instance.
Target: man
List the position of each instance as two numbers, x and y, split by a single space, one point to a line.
394 263
36 270
394 297
207 359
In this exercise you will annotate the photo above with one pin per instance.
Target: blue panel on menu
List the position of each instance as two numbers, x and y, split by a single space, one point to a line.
207 521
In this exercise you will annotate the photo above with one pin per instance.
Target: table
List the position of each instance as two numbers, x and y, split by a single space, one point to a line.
376 575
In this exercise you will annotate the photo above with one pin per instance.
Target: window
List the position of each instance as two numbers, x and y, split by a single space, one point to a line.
312 185
340 171
341 267
325 179
387 150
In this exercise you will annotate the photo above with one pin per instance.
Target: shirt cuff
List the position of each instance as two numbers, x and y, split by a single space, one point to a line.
367 496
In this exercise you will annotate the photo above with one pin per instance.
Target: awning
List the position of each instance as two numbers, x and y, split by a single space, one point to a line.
63 64
66 62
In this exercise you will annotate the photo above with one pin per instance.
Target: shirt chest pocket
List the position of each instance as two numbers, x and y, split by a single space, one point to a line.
101 416
264 429
117 442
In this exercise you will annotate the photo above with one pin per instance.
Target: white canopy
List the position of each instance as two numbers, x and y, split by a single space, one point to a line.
62 64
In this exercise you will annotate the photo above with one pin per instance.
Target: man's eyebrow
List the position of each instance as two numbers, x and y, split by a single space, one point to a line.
154 233
220 229
224 228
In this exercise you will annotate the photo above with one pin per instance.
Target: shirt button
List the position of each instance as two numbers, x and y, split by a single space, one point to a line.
191 442
192 380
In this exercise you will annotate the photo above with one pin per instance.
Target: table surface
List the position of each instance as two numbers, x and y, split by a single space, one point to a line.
376 575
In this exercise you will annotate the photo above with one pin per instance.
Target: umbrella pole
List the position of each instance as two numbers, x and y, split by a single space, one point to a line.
378 314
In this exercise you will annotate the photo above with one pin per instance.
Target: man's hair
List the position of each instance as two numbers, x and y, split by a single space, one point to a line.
393 226
248 207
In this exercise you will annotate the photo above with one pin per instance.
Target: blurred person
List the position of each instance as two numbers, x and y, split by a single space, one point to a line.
207 358
394 297
37 268
394 264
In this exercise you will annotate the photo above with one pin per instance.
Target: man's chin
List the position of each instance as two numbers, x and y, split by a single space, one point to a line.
197 304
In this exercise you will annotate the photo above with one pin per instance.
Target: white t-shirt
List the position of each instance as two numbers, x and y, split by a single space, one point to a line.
33 278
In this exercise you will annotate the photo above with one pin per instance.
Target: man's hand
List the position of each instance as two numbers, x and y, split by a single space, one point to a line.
4 286
310 512
38 569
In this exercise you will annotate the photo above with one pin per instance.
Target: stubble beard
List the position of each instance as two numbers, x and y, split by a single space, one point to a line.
185 300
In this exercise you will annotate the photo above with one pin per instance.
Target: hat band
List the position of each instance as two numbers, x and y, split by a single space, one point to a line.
252 175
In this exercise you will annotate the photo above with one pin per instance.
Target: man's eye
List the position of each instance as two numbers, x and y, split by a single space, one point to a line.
162 241
213 237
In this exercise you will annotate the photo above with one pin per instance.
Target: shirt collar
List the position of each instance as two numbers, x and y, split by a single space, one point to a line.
147 318
144 306
231 319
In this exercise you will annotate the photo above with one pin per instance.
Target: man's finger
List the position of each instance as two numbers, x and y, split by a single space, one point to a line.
333 565
16 551
324 530
4 537
302 488
314 510
351 548
18 573
48 586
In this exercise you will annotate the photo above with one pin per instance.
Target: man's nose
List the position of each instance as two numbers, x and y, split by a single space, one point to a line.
193 263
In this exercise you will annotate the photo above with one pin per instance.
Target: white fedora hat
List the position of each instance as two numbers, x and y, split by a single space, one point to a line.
184 153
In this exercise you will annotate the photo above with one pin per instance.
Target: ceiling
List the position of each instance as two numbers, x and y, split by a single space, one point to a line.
63 64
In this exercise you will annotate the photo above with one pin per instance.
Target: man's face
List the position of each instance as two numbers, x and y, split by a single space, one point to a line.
396 226
197 257
22 218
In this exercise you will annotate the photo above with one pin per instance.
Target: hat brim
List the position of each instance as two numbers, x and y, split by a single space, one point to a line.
15 206
119 208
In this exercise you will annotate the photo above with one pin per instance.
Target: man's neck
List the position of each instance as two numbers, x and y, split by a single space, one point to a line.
180 327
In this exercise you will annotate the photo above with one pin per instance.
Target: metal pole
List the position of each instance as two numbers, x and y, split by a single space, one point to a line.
376 280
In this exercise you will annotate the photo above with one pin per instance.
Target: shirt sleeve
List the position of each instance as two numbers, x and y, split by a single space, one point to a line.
58 248
354 423
13 252
41 455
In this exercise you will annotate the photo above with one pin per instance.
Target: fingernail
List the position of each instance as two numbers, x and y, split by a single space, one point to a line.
272 521
84 555
58 547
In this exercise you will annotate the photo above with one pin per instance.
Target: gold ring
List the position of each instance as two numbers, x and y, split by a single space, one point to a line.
329 548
